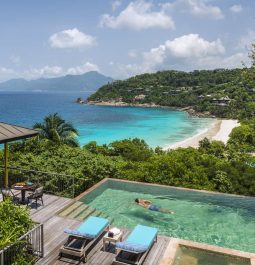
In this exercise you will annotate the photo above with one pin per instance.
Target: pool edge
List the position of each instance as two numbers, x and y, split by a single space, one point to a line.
105 180
89 190
170 252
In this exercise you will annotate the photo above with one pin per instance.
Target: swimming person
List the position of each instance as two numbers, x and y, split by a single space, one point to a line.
150 206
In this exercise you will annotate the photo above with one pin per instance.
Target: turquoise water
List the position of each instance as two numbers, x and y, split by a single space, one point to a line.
158 127
222 220
192 256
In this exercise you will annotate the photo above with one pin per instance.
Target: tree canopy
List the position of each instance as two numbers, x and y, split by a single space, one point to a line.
220 92
57 130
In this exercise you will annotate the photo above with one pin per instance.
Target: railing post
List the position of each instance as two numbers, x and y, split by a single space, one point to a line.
6 177
30 241
73 188
42 241
2 258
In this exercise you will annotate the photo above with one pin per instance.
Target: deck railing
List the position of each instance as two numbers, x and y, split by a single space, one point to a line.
28 248
54 183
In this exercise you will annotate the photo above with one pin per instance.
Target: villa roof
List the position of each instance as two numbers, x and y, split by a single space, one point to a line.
9 133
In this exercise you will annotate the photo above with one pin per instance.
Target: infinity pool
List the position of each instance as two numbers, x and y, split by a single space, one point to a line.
217 219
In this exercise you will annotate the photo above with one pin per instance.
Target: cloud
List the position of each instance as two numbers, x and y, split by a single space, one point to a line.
209 62
232 61
198 8
123 71
186 47
46 71
71 38
187 53
5 71
138 15
247 40
236 8
116 4
78 70
56 71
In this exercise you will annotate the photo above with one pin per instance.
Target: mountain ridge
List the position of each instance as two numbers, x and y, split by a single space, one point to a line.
86 82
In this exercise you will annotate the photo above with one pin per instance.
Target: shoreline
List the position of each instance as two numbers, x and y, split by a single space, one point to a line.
189 110
219 130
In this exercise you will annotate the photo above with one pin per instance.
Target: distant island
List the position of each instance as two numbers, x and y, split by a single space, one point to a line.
216 93
88 82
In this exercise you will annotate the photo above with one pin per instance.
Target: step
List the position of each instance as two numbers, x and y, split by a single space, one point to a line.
78 211
70 209
97 213
103 215
85 214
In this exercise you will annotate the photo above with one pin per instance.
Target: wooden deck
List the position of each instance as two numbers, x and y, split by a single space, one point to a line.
54 236
97 256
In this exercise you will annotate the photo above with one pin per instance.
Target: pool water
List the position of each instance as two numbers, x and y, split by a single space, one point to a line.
192 256
216 219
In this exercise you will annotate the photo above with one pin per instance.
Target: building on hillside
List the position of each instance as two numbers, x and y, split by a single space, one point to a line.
140 97
139 88
223 101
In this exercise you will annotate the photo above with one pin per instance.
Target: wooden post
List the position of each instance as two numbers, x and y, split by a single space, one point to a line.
6 165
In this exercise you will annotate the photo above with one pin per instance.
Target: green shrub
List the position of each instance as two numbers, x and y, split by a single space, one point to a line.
14 222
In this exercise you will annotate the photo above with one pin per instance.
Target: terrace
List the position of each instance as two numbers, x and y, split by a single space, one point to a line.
59 213
54 237
63 208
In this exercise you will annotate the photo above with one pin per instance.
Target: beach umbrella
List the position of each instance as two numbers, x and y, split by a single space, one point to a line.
10 133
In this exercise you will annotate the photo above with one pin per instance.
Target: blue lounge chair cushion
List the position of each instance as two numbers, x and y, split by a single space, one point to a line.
90 228
131 247
140 240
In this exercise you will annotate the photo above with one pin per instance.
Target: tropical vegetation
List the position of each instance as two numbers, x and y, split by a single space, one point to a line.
57 131
222 92
14 222
213 166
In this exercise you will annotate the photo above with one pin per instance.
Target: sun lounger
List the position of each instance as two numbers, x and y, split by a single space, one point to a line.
82 239
136 247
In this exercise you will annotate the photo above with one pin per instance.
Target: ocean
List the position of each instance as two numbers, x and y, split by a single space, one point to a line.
103 124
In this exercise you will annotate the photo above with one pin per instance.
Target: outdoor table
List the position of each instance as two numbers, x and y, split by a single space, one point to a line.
23 189
114 239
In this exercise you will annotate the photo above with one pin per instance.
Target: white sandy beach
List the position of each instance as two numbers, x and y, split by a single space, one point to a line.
218 130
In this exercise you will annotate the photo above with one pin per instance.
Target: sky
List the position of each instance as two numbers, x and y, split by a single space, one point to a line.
121 38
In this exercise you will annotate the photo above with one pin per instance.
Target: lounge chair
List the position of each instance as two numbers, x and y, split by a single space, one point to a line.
36 195
82 239
137 246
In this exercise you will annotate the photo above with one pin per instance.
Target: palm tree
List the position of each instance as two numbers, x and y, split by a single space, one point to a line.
57 130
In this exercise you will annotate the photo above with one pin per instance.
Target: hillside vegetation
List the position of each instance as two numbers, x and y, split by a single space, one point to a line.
220 92
213 166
